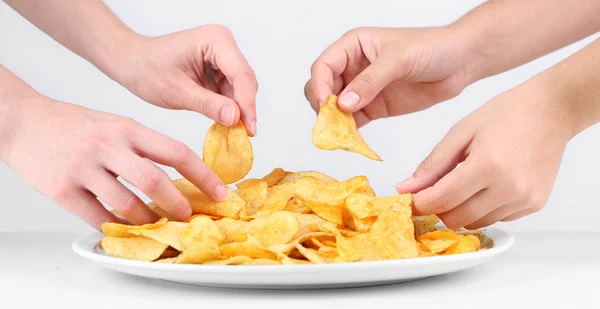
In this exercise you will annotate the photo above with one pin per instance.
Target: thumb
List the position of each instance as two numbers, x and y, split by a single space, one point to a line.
367 85
444 157
213 105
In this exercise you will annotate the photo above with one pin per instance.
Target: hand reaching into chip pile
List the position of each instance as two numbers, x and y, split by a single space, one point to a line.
200 69
511 147
73 155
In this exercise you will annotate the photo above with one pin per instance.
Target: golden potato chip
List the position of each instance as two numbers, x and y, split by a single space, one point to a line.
235 237
230 226
301 209
112 229
440 234
234 260
287 248
190 218
392 237
278 197
423 251
311 254
358 185
336 129
133 248
308 223
170 260
286 260
200 230
278 227
352 249
260 261
254 195
271 179
438 245
233 207
469 243
228 151
167 234
169 253
363 206
424 224
246 249
199 254
324 199
291 177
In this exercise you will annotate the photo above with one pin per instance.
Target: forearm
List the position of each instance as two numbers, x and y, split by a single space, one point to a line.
571 88
15 94
507 33
86 27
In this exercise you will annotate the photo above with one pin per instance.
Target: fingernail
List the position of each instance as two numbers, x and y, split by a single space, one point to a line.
221 193
350 100
321 102
227 115
253 127
405 182
188 212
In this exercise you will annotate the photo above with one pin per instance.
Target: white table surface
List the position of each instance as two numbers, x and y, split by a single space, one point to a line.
541 269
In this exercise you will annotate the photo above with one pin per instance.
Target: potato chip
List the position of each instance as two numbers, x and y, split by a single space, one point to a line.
201 230
286 260
170 260
167 234
235 237
275 228
324 199
228 151
112 229
199 254
234 260
133 248
260 261
392 236
469 243
169 253
278 197
311 254
438 245
271 179
440 234
233 207
291 177
362 206
357 185
336 129
246 249
229 226
254 195
424 224
301 209
190 218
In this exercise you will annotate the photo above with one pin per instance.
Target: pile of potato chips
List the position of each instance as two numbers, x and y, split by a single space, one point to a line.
287 218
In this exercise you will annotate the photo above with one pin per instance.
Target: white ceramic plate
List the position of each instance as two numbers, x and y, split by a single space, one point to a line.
298 276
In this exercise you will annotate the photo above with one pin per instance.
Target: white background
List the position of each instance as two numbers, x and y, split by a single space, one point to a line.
281 39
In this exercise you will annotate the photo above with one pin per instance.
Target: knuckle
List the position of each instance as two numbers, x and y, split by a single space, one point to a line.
442 202
218 28
367 80
207 104
75 163
62 192
125 204
519 187
426 166
127 126
181 153
150 180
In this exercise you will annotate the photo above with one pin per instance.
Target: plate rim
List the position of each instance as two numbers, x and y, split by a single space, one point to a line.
85 247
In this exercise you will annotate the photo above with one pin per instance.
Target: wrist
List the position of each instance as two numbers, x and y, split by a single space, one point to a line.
475 54
114 56
12 113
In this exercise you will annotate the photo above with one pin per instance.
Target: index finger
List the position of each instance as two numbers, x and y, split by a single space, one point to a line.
325 70
167 151
232 63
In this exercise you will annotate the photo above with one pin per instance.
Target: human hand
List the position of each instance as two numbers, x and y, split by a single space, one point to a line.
385 72
200 69
74 155
497 164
